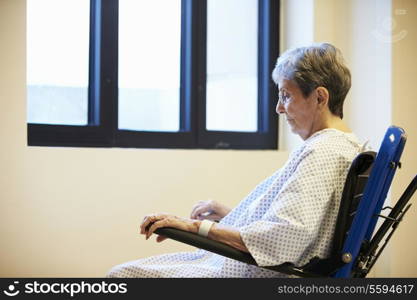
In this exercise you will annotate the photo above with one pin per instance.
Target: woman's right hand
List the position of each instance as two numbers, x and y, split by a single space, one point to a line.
210 210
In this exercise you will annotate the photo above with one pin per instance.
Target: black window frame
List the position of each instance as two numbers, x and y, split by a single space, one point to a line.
102 128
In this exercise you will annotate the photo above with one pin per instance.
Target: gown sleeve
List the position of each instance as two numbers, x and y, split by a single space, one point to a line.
292 222
240 209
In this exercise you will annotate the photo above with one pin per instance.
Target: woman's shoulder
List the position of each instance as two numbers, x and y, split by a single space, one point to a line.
333 141
331 136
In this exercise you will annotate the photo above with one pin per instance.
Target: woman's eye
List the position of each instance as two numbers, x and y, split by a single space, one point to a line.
284 98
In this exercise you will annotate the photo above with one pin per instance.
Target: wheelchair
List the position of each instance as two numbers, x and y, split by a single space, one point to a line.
356 245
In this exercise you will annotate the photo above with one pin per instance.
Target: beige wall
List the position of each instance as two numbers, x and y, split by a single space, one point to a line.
404 109
75 212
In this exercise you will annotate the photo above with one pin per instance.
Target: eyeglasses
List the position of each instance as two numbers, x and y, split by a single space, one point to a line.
283 98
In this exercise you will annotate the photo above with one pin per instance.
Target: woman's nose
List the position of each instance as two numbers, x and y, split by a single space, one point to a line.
280 108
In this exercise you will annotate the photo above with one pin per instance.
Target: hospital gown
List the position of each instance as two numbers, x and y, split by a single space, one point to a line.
289 217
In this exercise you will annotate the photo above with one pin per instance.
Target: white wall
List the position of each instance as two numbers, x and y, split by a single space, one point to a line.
370 60
74 212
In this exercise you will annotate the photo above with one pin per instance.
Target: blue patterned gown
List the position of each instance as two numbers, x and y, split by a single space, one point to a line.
289 217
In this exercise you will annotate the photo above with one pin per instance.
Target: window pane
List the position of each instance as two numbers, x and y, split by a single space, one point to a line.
149 64
57 61
232 68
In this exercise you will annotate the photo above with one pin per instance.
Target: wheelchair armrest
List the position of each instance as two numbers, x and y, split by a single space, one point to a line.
199 241
222 249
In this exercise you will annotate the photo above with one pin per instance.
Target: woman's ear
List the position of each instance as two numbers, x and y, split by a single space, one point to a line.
322 96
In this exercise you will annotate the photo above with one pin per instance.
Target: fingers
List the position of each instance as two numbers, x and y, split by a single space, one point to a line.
201 208
145 223
160 238
195 207
155 226
213 217
154 221
148 220
202 213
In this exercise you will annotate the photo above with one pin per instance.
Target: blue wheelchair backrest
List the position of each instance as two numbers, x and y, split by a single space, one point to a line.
379 182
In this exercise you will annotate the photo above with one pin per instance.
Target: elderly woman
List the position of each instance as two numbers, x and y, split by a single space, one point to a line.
290 216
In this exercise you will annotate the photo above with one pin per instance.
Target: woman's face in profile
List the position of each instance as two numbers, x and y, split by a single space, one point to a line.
301 112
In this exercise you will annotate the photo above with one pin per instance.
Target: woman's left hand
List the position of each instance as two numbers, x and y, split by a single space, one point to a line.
154 221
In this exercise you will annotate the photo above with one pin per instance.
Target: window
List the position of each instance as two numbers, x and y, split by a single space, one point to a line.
152 74
57 56
149 65
232 67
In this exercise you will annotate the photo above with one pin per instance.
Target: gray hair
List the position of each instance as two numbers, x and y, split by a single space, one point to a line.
314 66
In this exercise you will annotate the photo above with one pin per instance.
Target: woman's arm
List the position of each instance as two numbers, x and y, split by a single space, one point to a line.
227 235
218 232
210 210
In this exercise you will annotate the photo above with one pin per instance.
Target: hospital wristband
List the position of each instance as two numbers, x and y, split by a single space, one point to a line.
204 227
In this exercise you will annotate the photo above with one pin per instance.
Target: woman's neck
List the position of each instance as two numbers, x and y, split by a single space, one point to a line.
328 120
337 123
